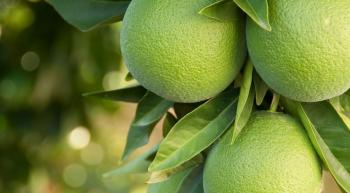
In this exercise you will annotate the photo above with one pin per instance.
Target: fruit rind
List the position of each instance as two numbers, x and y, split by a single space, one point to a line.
306 55
179 54
272 155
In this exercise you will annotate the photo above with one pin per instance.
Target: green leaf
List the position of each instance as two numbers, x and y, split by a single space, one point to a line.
194 182
168 123
138 165
329 135
129 94
335 102
196 131
257 10
173 184
149 111
223 10
260 89
275 102
198 188
182 109
245 101
88 14
345 103
159 176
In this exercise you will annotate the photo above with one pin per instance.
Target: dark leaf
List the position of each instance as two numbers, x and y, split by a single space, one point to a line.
194 182
149 111
344 101
173 184
223 10
182 109
260 89
130 94
329 135
257 10
160 176
168 123
245 101
88 14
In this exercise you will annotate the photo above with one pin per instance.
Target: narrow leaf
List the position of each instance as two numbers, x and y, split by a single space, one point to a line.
329 135
275 102
138 165
129 94
332 130
245 101
169 122
257 10
222 10
345 101
199 188
149 111
159 176
182 109
260 89
196 131
172 185
335 102
88 14
194 182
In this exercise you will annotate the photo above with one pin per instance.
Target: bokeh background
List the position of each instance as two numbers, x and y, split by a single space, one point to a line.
53 140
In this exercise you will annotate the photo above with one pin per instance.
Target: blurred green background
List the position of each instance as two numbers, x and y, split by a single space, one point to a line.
52 140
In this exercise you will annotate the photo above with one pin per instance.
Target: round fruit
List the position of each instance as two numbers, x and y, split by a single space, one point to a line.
272 155
179 54
306 56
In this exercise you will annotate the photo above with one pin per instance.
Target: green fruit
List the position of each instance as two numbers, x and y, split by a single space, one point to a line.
272 155
306 56
179 54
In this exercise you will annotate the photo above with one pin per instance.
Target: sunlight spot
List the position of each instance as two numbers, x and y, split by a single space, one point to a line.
79 137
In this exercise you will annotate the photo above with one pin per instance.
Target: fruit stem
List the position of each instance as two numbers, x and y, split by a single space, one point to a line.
274 103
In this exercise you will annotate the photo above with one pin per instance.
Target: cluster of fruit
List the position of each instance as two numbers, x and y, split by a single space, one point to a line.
186 57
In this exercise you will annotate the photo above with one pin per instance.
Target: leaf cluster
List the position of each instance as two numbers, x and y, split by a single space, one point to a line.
191 130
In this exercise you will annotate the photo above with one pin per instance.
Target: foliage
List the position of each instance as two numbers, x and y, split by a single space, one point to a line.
45 67
189 130
192 133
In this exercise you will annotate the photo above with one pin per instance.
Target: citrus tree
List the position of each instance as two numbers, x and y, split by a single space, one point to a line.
253 94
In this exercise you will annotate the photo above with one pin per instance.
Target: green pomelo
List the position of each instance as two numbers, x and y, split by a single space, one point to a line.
179 54
272 155
306 56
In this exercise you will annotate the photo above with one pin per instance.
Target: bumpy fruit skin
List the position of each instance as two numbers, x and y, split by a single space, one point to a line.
272 155
306 56
179 54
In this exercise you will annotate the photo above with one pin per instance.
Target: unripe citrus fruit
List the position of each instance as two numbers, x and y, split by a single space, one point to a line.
272 155
179 54
306 56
